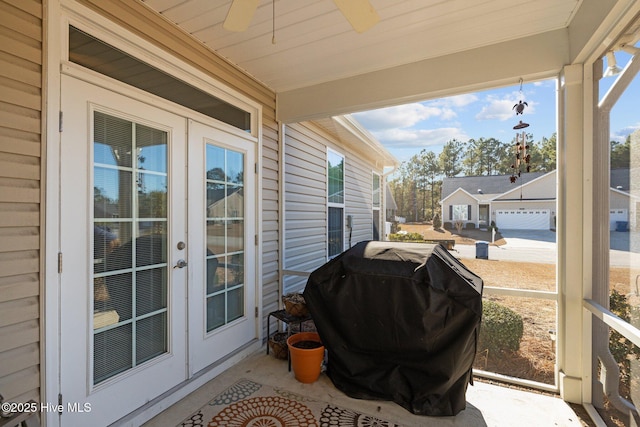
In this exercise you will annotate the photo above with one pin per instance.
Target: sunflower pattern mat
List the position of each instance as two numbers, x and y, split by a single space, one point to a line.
250 404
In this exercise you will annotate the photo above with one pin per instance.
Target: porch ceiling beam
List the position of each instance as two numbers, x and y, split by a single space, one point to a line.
594 23
530 58
621 84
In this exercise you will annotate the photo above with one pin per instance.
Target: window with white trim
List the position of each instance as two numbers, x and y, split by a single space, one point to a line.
335 203
376 205
460 212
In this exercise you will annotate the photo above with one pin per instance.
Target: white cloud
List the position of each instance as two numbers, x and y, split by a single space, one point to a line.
449 107
403 127
457 100
503 108
394 119
621 134
419 138
401 116
549 83
500 109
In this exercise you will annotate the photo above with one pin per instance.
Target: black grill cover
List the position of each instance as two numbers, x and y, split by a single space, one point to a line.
400 322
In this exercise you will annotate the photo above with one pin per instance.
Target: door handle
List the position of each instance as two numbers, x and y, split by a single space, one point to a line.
180 264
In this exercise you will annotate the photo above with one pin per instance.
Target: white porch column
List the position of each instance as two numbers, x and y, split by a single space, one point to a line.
570 230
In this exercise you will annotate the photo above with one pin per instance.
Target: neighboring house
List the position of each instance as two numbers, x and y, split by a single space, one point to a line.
227 203
624 203
123 114
527 204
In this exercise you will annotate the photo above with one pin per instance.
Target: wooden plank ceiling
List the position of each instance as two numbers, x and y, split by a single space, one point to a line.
314 43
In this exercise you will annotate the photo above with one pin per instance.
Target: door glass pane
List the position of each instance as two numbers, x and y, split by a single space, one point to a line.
376 190
235 236
336 231
376 224
129 245
152 195
215 311
235 303
335 166
112 192
235 167
225 236
112 352
151 337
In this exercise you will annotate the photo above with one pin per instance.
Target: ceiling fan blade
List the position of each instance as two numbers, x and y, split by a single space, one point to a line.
240 15
360 14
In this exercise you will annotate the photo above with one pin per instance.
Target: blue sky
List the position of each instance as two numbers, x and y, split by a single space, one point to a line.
407 129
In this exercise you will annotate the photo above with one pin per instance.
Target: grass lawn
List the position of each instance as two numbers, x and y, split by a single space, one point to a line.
466 237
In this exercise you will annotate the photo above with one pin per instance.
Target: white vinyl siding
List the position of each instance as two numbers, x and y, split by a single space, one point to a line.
20 195
306 199
359 203
270 223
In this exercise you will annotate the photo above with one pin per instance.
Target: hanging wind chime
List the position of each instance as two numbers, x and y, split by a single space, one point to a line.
521 148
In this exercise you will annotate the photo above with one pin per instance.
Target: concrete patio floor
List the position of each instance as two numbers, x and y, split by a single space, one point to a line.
487 404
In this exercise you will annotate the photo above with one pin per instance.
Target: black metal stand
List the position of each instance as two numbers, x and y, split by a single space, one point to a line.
287 319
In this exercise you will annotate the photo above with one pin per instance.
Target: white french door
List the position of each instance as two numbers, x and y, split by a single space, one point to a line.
222 301
157 236
123 216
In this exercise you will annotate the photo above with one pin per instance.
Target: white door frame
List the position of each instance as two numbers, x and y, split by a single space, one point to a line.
59 16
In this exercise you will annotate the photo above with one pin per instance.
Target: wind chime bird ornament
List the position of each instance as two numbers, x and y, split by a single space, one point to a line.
522 155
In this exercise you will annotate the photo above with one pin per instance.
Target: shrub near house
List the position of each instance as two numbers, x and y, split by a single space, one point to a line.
406 237
501 328
437 222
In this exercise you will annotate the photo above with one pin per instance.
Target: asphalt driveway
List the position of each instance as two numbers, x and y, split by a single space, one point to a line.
539 246
542 239
521 245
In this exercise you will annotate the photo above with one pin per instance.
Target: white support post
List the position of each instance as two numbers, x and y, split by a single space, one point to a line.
570 233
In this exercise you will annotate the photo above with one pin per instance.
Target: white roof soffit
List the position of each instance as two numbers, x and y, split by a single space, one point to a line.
320 67
532 58
347 129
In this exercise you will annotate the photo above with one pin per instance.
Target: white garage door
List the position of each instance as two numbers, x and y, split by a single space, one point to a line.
616 215
516 219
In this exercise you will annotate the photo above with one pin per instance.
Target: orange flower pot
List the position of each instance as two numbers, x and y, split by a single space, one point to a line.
306 362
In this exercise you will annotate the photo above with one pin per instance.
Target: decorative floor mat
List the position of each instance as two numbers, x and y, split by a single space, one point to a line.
250 404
